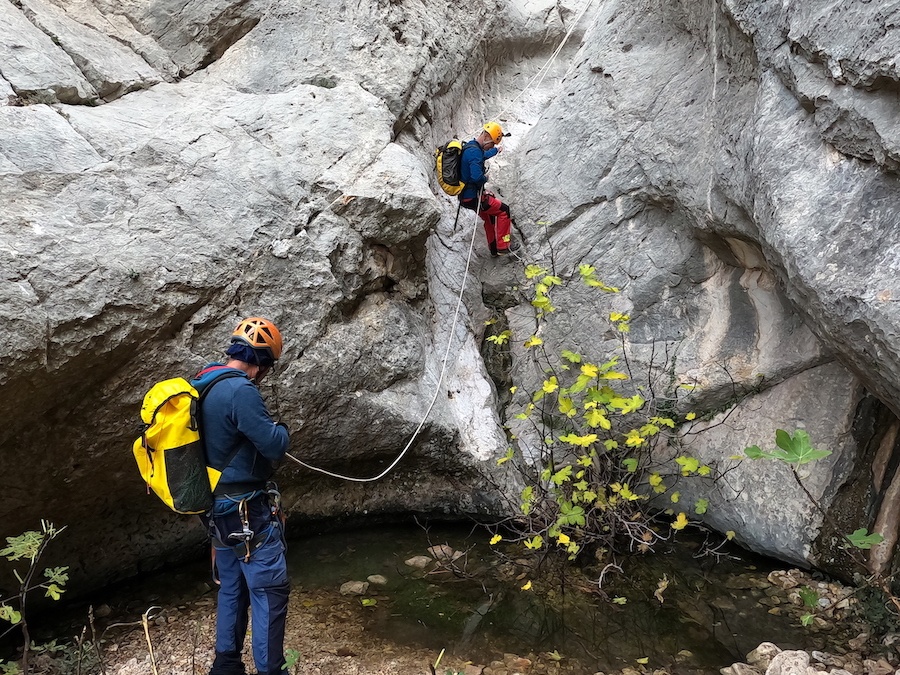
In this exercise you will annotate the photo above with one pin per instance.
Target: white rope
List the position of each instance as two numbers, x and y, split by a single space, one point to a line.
543 70
540 75
437 388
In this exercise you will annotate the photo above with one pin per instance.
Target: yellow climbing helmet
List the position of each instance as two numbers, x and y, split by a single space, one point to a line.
260 334
494 130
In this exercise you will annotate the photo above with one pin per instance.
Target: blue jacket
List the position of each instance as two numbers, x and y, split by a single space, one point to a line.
471 169
234 419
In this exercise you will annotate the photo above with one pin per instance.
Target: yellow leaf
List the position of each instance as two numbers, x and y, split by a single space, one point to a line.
675 497
613 375
563 539
582 441
589 370
595 418
655 479
551 385
643 661
512 389
533 341
496 538
527 586
567 407
690 416
616 316
626 493
680 522
730 535
532 271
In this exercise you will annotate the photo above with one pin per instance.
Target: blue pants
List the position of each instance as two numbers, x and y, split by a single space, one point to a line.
260 585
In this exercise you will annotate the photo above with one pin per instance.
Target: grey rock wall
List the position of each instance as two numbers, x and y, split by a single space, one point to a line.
168 167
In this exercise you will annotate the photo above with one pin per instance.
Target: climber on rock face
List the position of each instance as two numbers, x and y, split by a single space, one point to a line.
493 212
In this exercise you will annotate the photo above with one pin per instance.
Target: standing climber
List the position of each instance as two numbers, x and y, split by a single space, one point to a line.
493 212
245 522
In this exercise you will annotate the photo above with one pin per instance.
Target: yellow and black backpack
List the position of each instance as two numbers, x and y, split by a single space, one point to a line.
169 452
448 164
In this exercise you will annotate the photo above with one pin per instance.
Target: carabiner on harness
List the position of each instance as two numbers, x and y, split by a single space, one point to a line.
245 535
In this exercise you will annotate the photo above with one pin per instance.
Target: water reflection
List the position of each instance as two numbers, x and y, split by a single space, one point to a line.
706 617
672 610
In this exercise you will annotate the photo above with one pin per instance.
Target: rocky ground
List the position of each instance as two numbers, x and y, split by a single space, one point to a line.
330 631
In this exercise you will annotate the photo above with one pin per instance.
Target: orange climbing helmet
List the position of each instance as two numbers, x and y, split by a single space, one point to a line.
260 334
495 131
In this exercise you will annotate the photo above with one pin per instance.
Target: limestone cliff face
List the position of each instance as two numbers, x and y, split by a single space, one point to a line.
166 168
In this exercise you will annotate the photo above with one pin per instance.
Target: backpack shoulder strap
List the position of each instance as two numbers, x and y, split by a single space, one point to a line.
226 374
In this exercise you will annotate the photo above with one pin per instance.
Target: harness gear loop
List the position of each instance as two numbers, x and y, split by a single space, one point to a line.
275 502
245 535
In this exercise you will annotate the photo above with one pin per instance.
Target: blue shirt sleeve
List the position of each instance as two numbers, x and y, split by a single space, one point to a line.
254 422
490 153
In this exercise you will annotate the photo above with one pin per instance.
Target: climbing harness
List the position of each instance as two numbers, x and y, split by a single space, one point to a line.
247 540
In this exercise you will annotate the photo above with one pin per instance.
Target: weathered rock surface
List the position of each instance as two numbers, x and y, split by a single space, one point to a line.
271 158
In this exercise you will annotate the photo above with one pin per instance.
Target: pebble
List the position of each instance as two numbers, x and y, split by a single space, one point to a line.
419 562
354 588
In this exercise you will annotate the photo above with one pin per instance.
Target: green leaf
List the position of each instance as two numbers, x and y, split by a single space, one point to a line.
797 448
10 668
630 464
755 452
535 542
688 465
862 539
500 339
291 657
562 475
700 506
571 357
532 271
620 600
7 613
25 545
809 596
58 575
368 602
807 619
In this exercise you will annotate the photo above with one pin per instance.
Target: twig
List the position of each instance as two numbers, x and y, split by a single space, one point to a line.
145 622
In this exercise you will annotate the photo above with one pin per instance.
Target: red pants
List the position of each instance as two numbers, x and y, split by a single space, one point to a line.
497 222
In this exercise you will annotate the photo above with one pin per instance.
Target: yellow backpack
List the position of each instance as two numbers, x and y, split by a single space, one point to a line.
169 452
447 165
